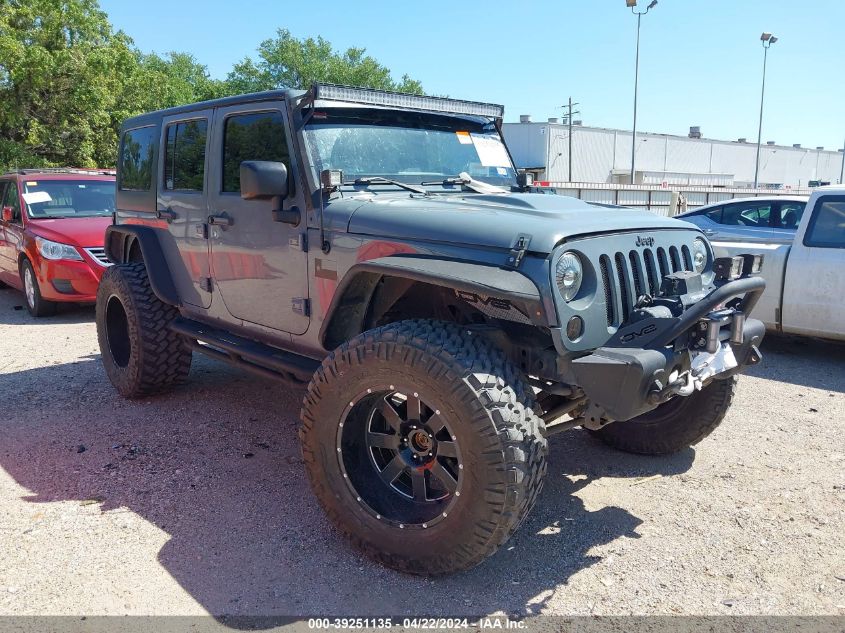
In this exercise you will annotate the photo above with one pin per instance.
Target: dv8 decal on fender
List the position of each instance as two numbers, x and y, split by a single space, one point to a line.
494 306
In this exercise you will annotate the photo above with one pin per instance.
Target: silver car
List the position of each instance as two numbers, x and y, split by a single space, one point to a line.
762 219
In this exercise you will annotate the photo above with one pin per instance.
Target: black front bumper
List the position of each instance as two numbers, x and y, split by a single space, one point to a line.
632 376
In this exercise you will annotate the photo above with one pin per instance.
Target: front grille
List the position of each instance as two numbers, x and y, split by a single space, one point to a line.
99 255
604 263
628 276
622 276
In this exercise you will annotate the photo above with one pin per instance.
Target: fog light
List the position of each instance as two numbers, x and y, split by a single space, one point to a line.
752 264
729 267
575 328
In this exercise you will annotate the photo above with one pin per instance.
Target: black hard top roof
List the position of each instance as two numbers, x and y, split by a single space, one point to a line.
150 118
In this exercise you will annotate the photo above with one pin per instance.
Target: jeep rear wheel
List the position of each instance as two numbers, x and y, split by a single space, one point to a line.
674 425
141 355
420 447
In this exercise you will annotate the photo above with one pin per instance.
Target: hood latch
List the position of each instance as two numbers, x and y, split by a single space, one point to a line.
518 250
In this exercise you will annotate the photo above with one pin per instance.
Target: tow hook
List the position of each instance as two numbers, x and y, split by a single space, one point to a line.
703 367
682 385
659 395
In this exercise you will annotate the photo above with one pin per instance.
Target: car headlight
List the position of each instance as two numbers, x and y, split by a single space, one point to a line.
699 255
56 250
569 274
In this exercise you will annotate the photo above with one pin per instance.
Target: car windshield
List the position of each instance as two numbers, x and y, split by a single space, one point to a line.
68 198
409 147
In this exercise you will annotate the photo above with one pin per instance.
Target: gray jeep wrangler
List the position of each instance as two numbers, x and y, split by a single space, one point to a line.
382 248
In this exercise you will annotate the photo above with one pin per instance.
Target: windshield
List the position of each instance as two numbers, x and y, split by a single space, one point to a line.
68 198
407 146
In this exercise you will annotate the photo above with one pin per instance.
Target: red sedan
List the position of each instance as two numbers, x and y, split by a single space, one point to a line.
52 232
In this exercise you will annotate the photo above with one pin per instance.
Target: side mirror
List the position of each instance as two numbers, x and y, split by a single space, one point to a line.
263 179
8 214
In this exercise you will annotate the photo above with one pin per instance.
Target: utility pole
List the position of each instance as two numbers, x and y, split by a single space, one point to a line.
568 116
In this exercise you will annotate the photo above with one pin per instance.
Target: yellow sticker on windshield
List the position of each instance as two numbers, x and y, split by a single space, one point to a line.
464 138
32 183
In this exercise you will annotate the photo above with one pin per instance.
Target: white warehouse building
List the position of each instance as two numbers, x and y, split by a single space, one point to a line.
602 155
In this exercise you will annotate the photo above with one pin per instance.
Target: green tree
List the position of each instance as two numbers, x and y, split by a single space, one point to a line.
68 80
288 62
175 79
61 67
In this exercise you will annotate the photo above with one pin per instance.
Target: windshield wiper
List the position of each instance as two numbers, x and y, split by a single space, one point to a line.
468 181
375 180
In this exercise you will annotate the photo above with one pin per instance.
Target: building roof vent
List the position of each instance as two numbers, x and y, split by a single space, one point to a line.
695 131
553 119
525 118
577 122
742 140
820 147
770 142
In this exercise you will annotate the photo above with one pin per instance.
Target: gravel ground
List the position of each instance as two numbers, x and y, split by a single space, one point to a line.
196 502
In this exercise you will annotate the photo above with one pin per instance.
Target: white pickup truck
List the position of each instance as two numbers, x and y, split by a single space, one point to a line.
805 280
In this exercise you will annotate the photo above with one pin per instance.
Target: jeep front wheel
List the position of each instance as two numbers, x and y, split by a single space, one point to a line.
422 446
141 355
674 425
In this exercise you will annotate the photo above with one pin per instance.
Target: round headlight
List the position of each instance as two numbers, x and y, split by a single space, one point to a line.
569 274
699 255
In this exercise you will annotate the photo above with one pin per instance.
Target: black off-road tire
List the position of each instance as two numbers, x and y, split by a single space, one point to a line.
141 355
487 405
37 305
674 425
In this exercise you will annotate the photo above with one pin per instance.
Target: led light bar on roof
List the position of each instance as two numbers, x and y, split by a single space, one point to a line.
401 100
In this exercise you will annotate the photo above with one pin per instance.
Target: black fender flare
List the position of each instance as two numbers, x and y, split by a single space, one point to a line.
119 240
477 281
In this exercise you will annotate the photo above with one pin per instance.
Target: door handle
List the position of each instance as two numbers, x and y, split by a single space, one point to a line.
220 220
166 214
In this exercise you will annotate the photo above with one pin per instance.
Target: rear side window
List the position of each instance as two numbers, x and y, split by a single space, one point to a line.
827 227
753 214
790 215
254 136
715 214
136 159
184 156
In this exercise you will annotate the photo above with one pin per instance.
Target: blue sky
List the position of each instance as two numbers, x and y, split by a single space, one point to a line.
700 62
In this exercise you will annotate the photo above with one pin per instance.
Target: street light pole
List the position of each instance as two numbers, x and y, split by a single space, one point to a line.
768 39
632 4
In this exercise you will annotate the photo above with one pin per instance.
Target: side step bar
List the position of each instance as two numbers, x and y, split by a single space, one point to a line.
245 353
